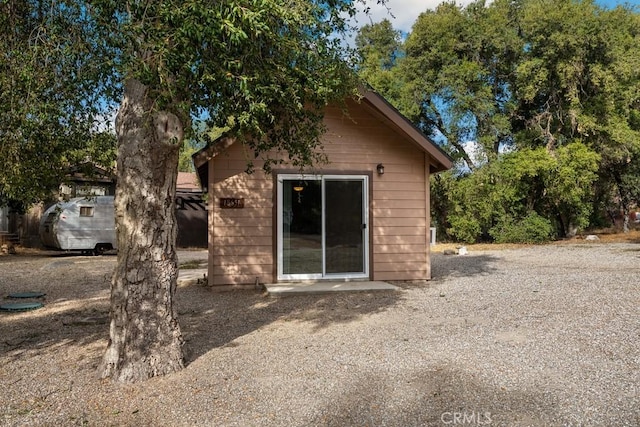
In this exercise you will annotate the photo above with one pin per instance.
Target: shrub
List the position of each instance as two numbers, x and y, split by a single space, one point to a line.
531 229
464 229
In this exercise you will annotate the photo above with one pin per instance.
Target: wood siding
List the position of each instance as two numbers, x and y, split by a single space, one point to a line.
241 240
241 245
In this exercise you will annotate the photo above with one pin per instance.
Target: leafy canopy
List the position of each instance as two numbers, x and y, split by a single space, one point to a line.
538 101
52 80
261 68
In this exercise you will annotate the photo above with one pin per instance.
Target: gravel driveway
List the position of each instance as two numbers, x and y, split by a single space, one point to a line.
537 336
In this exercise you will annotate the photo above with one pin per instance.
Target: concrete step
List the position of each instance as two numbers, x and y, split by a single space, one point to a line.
321 287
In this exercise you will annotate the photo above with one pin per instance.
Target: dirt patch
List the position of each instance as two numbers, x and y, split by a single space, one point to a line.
604 236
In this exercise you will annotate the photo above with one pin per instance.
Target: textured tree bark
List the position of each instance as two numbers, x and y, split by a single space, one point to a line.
145 338
624 200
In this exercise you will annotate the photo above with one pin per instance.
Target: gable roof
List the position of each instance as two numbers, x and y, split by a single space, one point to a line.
379 108
90 172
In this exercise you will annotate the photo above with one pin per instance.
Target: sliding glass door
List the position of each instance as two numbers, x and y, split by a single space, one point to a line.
322 227
301 227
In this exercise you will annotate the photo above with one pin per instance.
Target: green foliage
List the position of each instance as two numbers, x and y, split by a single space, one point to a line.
465 228
190 146
264 69
378 46
459 74
546 93
379 52
570 187
504 200
531 229
202 135
50 85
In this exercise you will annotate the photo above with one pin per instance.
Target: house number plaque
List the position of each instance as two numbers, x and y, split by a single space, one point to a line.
231 203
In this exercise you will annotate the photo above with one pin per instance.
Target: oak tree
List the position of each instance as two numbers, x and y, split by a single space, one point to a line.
264 69
536 99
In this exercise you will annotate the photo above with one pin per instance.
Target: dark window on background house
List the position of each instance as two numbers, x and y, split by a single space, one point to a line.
86 210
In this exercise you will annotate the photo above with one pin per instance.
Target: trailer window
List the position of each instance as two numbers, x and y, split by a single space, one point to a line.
86 210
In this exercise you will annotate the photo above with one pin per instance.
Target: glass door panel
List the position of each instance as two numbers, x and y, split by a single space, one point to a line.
344 226
301 227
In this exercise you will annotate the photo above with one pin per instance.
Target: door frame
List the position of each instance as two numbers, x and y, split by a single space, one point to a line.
279 177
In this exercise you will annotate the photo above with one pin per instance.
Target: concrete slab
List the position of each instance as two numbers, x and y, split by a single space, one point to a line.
298 288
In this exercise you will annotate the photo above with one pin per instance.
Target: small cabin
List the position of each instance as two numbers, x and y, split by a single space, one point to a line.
362 216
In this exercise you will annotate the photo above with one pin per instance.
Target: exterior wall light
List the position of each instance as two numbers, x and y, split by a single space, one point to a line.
380 169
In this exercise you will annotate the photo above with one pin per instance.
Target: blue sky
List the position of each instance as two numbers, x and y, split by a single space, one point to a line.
614 3
406 11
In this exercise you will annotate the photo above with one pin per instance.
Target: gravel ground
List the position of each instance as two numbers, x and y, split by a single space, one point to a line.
534 336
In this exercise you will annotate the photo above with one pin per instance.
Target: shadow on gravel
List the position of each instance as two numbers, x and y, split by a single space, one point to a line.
208 319
75 315
214 319
36 333
435 397
443 266
109 254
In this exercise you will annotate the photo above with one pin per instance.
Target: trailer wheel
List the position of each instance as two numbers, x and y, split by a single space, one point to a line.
101 248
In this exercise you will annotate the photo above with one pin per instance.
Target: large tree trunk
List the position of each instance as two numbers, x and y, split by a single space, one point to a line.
145 338
625 203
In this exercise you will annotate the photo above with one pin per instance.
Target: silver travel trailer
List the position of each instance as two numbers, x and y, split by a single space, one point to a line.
84 224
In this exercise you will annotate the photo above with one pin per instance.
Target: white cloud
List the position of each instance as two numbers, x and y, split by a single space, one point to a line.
475 152
405 12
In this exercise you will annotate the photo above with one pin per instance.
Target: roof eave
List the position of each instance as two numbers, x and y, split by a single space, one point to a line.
201 158
440 161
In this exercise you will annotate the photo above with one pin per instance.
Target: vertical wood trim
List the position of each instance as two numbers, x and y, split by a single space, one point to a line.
427 207
370 222
275 226
212 225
